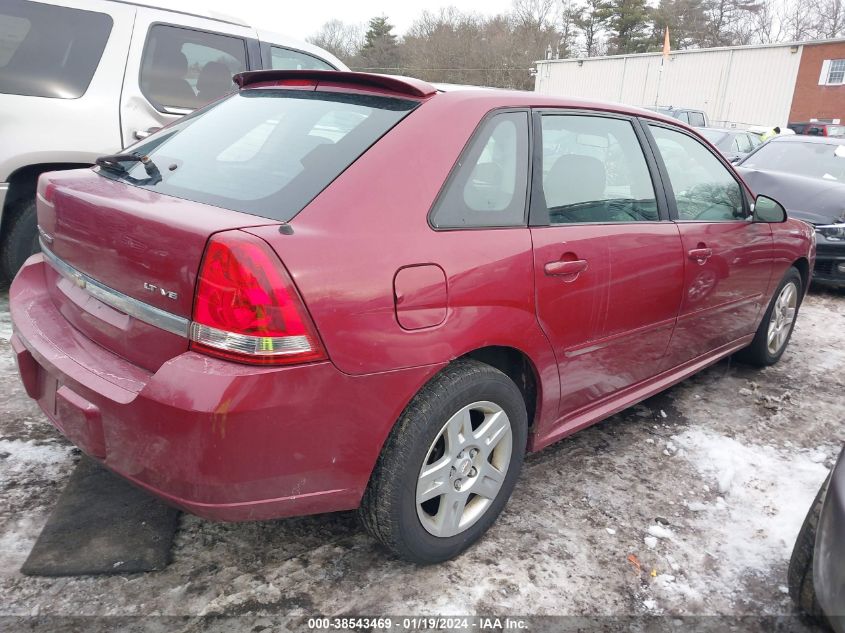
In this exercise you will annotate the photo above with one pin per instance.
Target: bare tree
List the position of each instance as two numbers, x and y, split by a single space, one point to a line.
340 39
831 18
765 24
800 20
539 15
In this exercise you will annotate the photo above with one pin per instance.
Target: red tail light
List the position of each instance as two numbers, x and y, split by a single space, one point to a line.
246 307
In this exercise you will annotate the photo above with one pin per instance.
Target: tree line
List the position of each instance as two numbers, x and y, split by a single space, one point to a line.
454 46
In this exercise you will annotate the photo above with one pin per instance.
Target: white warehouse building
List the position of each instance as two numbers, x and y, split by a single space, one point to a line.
770 84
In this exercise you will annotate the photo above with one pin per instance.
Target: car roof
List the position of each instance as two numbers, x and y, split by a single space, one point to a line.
724 130
196 10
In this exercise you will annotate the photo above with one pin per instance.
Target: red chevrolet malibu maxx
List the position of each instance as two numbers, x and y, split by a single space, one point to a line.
334 290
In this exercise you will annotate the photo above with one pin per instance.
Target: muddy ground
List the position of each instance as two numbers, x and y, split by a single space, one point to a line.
686 504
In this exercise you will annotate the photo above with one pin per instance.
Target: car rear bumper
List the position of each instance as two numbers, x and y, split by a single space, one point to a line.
221 440
828 567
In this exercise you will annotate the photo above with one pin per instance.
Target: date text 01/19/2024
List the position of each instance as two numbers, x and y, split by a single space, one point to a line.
428 623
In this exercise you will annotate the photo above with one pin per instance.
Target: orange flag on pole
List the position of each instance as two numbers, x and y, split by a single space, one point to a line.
666 46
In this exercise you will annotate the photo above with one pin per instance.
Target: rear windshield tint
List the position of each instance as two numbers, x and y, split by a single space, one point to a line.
263 151
49 51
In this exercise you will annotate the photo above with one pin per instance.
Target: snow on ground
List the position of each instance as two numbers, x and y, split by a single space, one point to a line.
685 504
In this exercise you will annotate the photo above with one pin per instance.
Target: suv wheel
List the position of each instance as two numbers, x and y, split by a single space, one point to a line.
449 465
20 241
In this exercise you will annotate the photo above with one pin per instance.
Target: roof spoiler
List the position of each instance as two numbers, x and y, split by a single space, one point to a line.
403 85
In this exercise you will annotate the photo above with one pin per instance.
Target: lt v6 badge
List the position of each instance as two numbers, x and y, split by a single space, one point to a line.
164 293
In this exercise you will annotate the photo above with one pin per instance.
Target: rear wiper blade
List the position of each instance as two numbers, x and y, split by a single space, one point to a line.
112 162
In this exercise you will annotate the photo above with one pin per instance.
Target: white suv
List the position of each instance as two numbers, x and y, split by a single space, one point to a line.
83 78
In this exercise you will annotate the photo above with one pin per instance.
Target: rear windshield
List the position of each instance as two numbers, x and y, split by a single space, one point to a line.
48 51
263 151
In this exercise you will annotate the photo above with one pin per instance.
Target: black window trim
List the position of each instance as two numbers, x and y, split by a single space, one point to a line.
670 193
267 54
468 146
539 214
248 60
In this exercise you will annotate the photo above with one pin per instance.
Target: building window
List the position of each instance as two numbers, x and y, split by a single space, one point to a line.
833 72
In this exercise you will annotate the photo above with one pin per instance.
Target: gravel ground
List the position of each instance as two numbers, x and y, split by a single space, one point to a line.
687 504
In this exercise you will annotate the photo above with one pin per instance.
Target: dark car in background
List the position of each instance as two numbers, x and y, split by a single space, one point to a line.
817 569
817 128
734 144
695 118
807 175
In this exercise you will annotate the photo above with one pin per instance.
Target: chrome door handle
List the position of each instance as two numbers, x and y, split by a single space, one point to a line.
142 134
700 255
566 268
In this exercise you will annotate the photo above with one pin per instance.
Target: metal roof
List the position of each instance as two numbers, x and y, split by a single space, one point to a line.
688 51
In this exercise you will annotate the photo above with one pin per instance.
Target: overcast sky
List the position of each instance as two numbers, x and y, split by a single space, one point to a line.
303 18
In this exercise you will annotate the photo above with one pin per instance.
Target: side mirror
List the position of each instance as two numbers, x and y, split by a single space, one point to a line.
735 159
768 210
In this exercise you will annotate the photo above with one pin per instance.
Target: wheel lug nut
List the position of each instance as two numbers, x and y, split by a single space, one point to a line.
458 484
473 452
473 472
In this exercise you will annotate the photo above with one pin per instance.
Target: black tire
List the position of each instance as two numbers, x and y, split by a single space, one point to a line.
389 506
20 240
757 353
800 576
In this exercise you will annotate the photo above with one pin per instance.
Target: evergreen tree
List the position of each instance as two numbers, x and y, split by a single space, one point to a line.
591 21
380 50
686 20
628 23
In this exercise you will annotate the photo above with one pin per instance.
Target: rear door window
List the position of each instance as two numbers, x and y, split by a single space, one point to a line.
263 151
489 187
287 59
742 144
49 51
594 170
185 69
696 119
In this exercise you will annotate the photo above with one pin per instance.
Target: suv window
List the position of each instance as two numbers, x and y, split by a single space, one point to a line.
48 51
594 170
704 188
682 116
267 152
742 143
286 59
696 119
490 185
184 68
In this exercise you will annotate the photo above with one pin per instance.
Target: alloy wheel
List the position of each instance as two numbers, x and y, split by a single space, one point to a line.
464 469
782 318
